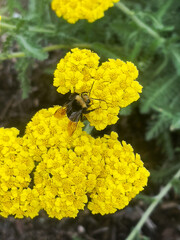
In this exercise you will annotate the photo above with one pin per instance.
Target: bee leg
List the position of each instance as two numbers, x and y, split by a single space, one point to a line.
88 111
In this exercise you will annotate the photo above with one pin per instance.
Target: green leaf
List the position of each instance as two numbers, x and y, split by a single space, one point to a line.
163 174
159 124
165 141
30 49
159 92
87 128
146 199
163 9
176 58
23 68
176 185
107 51
175 122
125 111
13 6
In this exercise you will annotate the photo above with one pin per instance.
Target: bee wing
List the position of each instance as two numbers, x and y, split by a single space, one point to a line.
75 116
60 112
72 127
72 96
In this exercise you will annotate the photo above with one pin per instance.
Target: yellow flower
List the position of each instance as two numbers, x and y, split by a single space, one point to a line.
103 169
110 86
45 131
70 171
60 189
16 165
75 72
15 162
20 203
8 136
72 11
116 184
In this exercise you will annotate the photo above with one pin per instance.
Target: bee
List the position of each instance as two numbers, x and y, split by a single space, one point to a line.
74 109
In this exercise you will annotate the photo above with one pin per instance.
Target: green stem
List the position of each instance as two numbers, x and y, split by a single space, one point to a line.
88 128
6 25
41 30
32 29
45 49
150 209
138 21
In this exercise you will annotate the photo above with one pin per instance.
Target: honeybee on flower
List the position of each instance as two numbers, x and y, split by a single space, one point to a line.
111 86
69 173
74 109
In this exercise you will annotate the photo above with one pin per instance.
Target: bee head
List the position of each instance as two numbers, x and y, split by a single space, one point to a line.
85 98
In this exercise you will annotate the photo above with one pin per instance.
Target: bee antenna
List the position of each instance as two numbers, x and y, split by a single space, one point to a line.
99 99
91 88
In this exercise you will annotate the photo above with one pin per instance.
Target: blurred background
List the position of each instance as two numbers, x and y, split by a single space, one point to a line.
33 40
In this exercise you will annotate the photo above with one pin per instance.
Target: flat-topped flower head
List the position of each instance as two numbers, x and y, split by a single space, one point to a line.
102 173
48 169
72 10
75 72
110 86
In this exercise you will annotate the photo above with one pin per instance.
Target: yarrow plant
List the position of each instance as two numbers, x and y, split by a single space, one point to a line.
68 172
113 83
72 10
49 169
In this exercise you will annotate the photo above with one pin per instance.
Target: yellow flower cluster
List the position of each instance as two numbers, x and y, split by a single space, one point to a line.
46 131
110 86
16 165
68 172
75 72
72 11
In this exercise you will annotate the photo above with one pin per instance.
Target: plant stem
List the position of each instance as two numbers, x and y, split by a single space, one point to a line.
150 209
7 25
138 21
88 128
32 29
45 49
